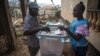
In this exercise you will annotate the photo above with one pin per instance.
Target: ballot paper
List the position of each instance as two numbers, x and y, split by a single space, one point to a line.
57 31
54 32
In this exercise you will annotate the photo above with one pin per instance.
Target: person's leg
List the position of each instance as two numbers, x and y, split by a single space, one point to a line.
33 50
76 51
81 51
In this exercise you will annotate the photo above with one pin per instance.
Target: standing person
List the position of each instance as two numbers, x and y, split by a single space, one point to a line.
78 30
31 27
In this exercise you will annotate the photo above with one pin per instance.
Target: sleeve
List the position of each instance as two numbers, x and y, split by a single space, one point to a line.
27 25
71 27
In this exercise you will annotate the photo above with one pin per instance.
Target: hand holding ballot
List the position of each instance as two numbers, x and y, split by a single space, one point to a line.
45 29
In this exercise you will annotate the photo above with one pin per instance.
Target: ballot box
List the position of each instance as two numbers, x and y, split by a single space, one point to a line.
54 23
51 43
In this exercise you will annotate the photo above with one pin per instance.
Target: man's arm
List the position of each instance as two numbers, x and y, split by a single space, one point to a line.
29 26
31 32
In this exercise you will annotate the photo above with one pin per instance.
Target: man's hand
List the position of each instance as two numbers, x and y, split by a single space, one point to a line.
45 29
62 28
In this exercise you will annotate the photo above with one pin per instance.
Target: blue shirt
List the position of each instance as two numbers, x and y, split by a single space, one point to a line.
30 24
82 42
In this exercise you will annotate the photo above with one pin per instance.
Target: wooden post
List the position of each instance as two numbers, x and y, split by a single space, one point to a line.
23 4
7 24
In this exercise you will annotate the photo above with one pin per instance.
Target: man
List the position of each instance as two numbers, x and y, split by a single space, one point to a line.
31 27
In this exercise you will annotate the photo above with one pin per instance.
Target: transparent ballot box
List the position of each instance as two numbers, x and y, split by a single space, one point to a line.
54 23
51 44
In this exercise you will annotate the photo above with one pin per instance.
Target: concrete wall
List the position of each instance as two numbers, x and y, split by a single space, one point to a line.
67 8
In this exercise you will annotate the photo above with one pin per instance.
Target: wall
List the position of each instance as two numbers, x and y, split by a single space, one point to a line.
93 4
67 8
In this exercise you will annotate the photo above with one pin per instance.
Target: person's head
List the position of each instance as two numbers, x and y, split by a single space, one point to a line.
79 10
33 8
